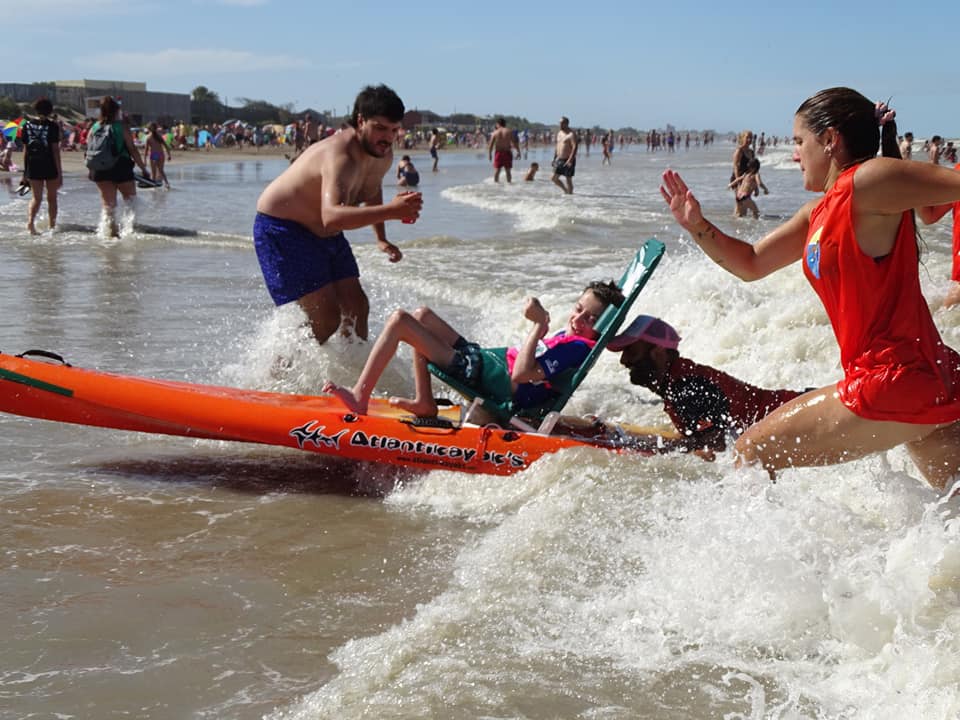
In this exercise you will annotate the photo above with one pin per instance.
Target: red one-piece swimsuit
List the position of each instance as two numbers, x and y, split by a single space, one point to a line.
895 365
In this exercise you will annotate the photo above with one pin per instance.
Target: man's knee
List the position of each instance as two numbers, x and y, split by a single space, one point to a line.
323 325
323 313
353 301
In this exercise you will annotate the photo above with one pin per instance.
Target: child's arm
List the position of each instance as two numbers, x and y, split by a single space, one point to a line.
760 184
525 367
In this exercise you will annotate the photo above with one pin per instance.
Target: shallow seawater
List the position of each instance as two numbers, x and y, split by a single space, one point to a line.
146 576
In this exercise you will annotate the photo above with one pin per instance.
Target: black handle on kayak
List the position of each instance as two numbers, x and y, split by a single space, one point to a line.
45 354
428 422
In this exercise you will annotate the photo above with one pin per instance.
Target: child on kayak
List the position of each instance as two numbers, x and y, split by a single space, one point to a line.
522 373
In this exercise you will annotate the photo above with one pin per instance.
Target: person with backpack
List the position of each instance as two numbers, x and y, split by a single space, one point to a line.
110 158
42 168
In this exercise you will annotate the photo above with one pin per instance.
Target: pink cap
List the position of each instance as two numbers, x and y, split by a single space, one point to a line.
648 328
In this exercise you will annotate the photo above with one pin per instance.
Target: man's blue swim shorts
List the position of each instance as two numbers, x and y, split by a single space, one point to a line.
295 262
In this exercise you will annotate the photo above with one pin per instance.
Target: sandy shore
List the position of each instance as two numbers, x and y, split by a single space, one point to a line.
73 160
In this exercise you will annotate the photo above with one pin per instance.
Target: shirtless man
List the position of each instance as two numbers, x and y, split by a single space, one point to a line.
500 150
334 186
310 130
565 157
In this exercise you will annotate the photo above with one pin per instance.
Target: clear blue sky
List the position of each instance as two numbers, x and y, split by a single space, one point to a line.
716 65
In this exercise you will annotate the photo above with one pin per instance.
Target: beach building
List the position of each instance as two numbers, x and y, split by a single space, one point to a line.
83 96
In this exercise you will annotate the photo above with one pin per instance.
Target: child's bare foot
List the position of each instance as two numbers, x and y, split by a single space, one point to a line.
31 229
420 408
347 397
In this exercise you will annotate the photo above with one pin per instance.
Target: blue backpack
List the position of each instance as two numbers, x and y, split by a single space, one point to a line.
102 153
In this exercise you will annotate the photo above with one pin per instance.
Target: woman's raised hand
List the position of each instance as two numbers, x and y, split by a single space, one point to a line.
683 205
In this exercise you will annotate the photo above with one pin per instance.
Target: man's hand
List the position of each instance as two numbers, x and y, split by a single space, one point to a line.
407 206
390 249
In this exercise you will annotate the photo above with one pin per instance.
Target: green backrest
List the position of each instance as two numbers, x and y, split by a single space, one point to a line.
609 323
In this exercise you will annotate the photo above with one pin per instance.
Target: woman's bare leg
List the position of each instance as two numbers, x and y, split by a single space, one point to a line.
953 295
52 205
128 190
817 429
937 455
36 198
108 197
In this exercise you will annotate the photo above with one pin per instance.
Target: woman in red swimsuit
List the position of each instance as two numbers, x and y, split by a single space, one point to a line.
858 246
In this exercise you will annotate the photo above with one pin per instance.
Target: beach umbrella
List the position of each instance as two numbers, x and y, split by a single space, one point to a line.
12 129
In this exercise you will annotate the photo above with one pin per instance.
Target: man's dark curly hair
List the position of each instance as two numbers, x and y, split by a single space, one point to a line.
377 100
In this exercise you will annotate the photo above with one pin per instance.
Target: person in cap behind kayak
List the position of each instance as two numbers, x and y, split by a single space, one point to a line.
707 406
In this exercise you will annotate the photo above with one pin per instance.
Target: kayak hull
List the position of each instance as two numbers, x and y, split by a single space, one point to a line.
62 393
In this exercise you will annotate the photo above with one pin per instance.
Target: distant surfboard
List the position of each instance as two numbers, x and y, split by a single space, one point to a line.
165 230
145 182
143 229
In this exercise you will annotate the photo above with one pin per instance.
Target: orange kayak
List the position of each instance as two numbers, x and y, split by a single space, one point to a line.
59 392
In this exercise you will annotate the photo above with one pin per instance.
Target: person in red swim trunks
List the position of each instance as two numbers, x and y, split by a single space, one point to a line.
500 149
857 242
931 214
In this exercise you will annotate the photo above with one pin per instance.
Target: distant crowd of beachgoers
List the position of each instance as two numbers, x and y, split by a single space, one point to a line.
300 133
